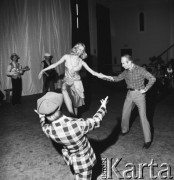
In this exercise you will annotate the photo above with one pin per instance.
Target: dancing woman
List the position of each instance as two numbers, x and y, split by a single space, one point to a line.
72 87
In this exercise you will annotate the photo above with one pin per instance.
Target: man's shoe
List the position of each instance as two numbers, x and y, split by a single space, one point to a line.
147 145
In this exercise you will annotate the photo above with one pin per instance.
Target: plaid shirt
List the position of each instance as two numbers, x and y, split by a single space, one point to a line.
71 132
135 78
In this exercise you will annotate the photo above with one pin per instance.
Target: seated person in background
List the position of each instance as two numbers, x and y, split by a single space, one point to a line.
70 132
48 76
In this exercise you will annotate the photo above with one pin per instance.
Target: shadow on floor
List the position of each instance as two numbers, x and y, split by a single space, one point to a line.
101 146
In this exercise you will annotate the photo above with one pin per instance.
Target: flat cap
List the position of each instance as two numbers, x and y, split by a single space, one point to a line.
49 102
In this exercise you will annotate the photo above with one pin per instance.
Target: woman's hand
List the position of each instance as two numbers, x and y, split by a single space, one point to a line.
40 74
101 76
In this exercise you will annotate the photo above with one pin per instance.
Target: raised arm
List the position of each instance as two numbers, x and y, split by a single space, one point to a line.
90 124
99 75
52 66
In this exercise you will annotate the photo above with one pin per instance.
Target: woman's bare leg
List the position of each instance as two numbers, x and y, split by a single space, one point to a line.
68 101
76 111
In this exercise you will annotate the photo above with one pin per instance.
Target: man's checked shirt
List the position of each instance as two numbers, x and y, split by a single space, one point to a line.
135 78
71 133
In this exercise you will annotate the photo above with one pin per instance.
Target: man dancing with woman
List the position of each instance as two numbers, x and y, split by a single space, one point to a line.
72 87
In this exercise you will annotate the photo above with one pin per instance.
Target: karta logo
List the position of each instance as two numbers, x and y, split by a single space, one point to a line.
110 167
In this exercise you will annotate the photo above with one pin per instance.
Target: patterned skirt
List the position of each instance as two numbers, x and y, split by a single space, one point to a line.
76 97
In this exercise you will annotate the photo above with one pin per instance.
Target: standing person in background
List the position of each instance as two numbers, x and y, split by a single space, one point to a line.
14 70
72 87
70 132
49 76
134 76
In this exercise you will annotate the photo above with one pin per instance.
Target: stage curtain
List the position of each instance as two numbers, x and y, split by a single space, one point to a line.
31 28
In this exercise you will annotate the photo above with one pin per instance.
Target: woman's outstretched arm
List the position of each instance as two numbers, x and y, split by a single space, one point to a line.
99 75
52 66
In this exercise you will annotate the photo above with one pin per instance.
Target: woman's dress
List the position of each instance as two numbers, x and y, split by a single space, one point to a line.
73 85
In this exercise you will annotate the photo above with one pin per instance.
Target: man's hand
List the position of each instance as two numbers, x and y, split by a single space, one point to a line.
104 102
109 78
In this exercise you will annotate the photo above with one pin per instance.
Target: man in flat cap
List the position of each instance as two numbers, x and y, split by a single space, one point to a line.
71 132
49 76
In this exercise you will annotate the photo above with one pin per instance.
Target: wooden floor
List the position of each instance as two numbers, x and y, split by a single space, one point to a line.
27 154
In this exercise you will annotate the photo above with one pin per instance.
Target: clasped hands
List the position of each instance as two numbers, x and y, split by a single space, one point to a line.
108 78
